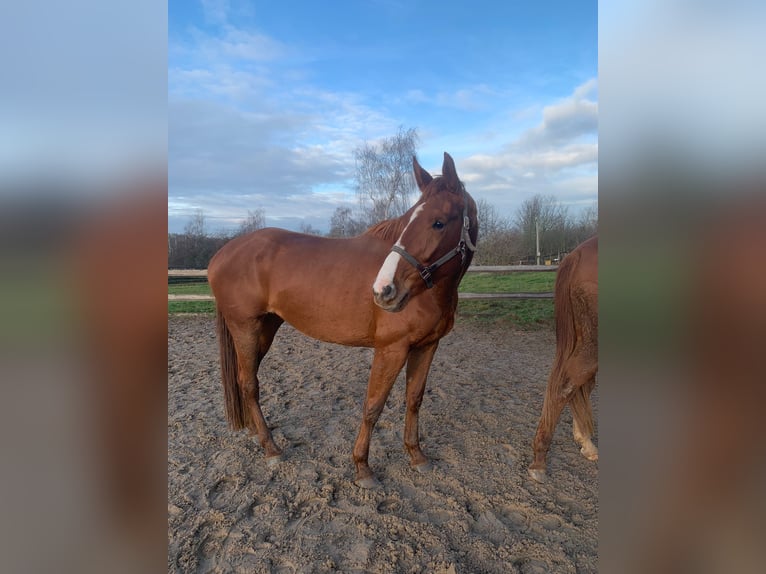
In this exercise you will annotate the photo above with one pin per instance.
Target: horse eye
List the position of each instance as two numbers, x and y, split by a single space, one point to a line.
438 224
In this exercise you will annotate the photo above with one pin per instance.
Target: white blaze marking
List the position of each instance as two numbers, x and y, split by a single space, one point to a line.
387 271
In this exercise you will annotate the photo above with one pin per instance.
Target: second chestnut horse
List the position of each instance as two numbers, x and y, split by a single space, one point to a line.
573 375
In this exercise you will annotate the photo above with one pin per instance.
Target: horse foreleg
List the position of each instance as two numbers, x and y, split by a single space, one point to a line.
386 365
418 365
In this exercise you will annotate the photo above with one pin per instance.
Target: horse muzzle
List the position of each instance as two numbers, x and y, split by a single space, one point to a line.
389 298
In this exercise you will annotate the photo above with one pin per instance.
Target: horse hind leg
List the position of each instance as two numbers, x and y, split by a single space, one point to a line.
565 386
253 342
584 439
553 404
586 305
582 420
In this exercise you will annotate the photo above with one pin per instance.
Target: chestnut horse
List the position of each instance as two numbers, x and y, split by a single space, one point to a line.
573 375
393 288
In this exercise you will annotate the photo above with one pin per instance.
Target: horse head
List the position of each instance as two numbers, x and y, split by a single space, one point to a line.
437 241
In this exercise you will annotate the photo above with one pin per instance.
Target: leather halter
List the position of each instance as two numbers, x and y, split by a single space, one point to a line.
427 271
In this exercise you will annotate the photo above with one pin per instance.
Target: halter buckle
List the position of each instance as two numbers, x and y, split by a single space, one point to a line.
425 273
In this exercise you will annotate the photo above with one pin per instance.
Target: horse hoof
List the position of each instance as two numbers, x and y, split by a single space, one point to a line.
537 474
423 467
274 460
368 483
591 457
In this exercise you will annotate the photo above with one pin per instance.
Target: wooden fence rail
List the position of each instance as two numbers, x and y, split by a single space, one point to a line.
195 275
200 273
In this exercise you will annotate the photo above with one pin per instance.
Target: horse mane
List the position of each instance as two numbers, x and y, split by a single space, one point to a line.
388 230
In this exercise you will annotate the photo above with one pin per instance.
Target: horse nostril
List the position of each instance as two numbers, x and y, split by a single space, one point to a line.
388 292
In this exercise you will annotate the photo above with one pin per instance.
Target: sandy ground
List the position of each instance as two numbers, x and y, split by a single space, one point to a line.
477 511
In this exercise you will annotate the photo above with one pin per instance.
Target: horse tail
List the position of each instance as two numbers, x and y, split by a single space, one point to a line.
237 412
564 311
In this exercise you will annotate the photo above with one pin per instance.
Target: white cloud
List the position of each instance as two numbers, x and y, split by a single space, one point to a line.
215 11
465 99
558 156
416 97
243 45
246 133
216 83
225 160
565 120
561 158
589 88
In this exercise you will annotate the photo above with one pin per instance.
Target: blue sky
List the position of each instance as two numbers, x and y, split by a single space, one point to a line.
268 100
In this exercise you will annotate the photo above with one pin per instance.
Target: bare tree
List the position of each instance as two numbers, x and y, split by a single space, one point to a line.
194 247
588 221
343 223
194 240
308 229
489 219
503 247
384 179
500 244
196 225
544 215
254 220
559 231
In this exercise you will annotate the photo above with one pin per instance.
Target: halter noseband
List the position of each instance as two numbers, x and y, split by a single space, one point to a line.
427 271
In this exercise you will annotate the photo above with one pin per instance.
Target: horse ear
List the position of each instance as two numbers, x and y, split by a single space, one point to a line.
421 176
449 173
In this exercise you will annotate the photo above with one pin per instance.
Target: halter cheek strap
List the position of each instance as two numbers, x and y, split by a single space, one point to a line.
426 271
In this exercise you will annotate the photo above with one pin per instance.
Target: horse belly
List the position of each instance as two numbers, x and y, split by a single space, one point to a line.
343 323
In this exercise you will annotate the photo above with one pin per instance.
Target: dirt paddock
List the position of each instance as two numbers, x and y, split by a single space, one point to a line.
477 511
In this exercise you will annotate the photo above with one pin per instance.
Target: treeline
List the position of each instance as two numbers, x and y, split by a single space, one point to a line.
502 240
192 252
194 248
514 241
